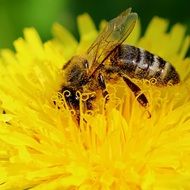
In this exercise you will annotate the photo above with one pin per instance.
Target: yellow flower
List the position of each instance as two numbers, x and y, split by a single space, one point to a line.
41 146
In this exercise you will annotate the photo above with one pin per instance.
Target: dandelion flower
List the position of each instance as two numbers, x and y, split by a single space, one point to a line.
41 147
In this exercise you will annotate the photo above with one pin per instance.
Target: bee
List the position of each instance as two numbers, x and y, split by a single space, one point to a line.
108 59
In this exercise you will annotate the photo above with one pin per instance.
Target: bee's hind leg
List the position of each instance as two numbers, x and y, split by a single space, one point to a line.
141 98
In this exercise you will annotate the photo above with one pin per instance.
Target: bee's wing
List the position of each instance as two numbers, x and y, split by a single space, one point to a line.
114 34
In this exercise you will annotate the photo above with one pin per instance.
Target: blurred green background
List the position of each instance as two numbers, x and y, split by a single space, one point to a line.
18 14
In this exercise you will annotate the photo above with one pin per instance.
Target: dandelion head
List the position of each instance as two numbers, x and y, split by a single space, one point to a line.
120 147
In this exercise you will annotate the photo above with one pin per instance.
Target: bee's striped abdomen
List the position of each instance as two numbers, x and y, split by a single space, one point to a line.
141 64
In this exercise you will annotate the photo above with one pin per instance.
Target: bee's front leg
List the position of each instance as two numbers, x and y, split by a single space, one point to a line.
102 85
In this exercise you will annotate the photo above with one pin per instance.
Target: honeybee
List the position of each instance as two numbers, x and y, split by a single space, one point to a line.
108 59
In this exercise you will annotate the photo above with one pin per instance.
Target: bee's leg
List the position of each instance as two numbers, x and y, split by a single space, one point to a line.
102 84
89 103
136 90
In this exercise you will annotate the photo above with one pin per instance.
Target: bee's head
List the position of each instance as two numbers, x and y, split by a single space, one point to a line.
75 71
75 76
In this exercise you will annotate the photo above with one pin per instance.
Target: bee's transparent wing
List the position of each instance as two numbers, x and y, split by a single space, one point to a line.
114 34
